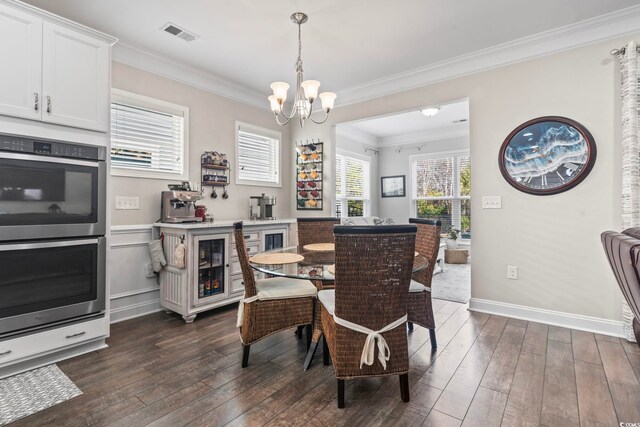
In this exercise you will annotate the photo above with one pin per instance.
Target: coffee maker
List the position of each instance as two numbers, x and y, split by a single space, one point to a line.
178 206
261 207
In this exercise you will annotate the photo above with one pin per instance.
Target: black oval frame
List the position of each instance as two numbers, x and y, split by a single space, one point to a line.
592 154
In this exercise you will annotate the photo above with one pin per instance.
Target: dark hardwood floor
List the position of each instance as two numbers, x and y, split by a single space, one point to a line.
488 371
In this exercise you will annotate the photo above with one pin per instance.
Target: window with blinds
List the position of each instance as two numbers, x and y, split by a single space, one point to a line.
442 190
352 186
258 156
148 137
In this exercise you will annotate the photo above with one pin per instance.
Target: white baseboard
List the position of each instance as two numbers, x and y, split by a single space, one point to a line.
135 310
549 317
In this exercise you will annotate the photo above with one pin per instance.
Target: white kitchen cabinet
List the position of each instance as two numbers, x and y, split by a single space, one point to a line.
21 70
53 71
75 78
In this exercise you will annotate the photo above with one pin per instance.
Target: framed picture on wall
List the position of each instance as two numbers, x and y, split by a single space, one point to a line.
393 186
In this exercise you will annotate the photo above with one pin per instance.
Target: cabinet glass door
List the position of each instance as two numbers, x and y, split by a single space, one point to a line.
273 241
211 268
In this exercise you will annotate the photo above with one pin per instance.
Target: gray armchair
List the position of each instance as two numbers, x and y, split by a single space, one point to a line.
623 252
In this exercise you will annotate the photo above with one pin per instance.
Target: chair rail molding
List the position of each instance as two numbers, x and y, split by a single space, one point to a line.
549 317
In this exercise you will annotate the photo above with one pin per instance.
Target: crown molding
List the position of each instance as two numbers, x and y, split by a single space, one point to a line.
601 28
421 137
136 57
50 17
357 135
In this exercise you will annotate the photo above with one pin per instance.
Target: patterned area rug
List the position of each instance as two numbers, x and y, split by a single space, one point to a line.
453 283
27 393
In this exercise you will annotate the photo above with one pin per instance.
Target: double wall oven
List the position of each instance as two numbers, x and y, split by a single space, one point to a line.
52 232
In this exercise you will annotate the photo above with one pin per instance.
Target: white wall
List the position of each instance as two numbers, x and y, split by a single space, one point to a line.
397 161
554 240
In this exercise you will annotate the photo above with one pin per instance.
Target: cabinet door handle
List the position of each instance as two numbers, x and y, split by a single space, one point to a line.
246 236
36 103
79 334
4 353
48 104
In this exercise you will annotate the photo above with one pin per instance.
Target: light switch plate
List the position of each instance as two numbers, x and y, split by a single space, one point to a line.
125 203
491 202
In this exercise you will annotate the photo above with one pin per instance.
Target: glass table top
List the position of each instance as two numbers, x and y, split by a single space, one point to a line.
315 265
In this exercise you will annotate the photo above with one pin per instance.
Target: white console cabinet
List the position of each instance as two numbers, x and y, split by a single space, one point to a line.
53 73
212 276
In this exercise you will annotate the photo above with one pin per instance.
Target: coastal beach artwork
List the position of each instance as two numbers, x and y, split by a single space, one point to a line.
547 155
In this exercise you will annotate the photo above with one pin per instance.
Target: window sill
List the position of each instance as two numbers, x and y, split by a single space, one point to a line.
130 173
258 183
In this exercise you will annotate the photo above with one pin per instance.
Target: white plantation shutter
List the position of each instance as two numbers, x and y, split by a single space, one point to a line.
258 156
339 174
352 178
147 140
352 181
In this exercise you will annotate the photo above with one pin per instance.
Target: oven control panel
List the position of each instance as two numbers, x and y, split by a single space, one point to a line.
51 148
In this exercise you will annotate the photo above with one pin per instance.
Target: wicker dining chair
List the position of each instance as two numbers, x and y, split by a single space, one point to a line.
419 306
269 305
373 272
316 230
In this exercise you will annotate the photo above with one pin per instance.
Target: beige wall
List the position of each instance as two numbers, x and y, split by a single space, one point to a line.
554 240
211 127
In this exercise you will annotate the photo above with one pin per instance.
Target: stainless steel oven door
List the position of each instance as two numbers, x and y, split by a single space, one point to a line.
50 281
50 197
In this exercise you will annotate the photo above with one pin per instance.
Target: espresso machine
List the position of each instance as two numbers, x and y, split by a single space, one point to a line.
261 207
179 206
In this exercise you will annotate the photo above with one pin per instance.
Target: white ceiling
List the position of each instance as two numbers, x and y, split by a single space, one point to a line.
346 44
414 122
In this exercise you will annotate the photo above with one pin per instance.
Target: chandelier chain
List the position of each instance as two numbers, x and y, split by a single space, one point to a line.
299 42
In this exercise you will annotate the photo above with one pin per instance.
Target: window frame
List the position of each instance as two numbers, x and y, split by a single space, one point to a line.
266 132
343 201
142 101
456 154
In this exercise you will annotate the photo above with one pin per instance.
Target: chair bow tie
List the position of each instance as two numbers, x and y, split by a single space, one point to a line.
373 338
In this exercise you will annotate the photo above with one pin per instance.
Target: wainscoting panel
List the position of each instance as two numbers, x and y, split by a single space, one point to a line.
132 294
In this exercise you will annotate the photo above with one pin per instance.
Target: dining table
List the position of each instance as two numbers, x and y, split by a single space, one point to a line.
315 262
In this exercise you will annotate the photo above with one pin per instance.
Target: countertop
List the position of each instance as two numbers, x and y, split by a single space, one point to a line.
223 223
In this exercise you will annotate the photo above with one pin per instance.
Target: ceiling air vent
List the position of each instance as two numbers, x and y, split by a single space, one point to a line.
174 30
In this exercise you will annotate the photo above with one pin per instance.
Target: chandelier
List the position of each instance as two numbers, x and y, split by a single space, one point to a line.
306 91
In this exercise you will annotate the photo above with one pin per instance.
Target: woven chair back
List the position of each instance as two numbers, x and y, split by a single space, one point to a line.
373 271
316 230
247 272
427 244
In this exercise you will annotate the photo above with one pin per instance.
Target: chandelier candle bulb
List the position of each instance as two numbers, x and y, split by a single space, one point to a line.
327 98
276 107
311 89
280 91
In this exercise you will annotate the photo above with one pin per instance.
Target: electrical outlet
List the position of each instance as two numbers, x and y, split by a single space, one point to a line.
491 202
148 271
512 272
124 203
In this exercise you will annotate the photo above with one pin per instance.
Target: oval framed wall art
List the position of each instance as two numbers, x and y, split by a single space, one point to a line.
547 155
